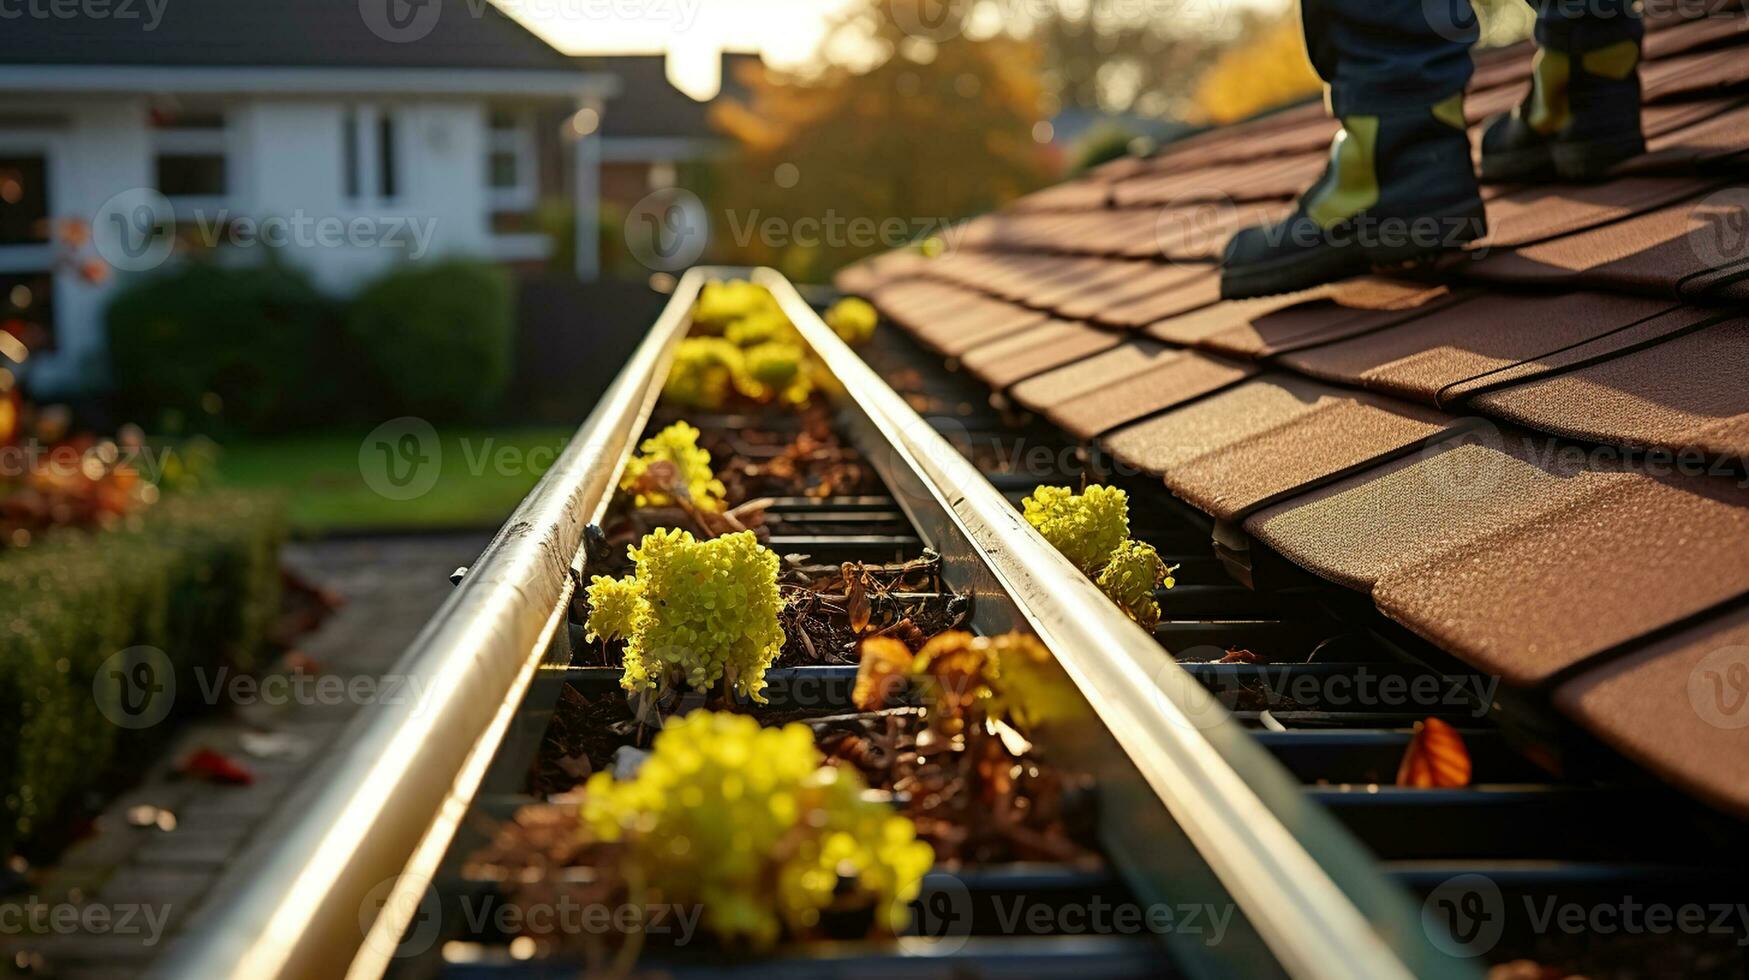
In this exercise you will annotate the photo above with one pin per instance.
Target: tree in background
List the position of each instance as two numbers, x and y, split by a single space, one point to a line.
889 139
1268 69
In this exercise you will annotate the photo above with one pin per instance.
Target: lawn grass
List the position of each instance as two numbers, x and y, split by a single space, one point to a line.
481 476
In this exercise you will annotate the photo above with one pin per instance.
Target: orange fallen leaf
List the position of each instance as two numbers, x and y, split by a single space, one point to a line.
885 663
1436 759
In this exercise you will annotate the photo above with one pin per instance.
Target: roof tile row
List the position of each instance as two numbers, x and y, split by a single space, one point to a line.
1532 455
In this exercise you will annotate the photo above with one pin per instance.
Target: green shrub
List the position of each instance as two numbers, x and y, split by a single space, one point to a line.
436 338
196 577
205 348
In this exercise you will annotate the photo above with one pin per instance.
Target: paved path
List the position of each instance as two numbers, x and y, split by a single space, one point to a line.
156 876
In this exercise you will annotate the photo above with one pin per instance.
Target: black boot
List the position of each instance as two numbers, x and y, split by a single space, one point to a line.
1581 118
1399 187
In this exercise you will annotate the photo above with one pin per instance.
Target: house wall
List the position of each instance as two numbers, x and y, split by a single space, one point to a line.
284 167
293 171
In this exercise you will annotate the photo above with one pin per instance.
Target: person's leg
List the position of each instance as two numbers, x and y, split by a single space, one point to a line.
1399 185
1582 114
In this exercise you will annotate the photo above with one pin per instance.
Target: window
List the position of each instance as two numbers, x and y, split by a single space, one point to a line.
24 200
370 154
191 154
510 161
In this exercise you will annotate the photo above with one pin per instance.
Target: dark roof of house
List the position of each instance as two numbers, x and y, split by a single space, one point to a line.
648 106
283 33
1533 455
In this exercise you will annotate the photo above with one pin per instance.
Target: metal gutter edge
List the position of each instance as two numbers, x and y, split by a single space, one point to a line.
1274 850
334 878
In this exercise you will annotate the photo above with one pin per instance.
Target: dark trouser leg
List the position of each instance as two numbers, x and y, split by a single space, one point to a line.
1582 114
1399 186
1379 55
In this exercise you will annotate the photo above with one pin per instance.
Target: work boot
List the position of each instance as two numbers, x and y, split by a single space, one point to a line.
1399 187
1581 118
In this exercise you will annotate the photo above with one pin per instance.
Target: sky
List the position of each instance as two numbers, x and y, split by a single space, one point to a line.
693 32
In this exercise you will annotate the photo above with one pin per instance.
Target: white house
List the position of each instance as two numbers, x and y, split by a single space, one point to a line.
346 135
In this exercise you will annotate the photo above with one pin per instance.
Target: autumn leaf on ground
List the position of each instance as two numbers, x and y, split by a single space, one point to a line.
215 767
885 662
1436 759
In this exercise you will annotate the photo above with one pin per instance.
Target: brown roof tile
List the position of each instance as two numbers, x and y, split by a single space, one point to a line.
1273 324
1667 39
1025 353
1533 214
1685 394
1197 291
1654 253
1333 433
1677 707
1400 514
1537 596
1120 391
1567 358
1693 75
1710 140
1420 358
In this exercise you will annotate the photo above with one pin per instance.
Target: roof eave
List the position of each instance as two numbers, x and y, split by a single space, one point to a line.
133 79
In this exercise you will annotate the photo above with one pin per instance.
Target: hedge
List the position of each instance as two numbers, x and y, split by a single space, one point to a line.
197 577
204 348
435 339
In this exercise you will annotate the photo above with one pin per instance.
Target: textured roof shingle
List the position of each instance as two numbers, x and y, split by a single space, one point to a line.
1534 455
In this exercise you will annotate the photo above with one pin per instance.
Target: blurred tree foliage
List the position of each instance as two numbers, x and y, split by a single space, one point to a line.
849 159
1268 69
1120 56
